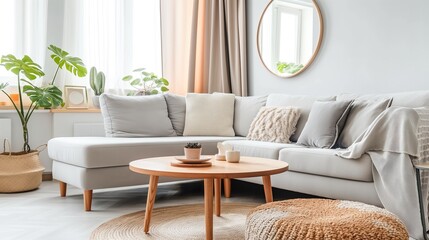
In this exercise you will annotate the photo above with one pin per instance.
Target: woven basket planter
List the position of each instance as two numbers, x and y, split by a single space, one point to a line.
20 171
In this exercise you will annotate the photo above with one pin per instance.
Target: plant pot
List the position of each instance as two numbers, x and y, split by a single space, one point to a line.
20 171
96 101
193 153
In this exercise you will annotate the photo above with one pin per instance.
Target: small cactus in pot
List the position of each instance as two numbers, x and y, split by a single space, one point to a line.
97 81
193 150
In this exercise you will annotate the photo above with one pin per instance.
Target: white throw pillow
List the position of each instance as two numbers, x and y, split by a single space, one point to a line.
144 116
274 124
209 115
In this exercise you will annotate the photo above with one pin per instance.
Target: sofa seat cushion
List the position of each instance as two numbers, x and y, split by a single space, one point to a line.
97 152
324 162
259 148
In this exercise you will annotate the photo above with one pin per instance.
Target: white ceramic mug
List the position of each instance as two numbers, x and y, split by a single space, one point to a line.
232 156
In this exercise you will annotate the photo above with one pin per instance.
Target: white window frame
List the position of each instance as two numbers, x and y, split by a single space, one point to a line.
278 9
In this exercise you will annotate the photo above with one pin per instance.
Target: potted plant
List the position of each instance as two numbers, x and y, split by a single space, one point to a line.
23 168
193 150
290 68
97 82
146 83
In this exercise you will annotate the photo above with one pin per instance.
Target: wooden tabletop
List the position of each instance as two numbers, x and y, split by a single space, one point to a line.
247 167
423 166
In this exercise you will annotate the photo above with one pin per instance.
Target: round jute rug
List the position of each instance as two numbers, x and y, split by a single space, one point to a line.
178 222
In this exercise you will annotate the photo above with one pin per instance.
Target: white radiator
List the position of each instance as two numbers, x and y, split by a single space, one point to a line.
88 130
5 131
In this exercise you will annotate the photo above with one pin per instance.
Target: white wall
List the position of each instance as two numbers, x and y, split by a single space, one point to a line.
369 47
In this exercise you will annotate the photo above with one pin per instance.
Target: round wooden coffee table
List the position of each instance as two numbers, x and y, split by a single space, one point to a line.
247 167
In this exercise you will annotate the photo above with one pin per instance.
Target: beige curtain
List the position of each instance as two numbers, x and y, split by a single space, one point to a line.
204 45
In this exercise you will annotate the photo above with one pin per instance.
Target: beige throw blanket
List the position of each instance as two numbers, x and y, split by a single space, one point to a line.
396 138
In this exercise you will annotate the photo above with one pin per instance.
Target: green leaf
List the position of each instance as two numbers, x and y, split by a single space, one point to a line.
135 82
25 65
146 73
291 68
3 85
165 81
164 89
139 69
62 58
46 97
154 91
127 78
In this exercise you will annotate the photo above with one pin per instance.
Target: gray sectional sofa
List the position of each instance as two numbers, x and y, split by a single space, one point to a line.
102 162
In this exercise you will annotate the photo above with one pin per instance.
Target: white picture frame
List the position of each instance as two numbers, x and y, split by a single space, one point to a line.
75 97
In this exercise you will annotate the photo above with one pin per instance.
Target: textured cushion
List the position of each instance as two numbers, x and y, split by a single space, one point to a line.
324 123
362 114
324 162
96 152
259 149
245 111
145 116
302 102
176 111
274 124
209 115
403 99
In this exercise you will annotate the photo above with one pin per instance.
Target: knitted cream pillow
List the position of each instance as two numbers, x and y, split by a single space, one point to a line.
274 124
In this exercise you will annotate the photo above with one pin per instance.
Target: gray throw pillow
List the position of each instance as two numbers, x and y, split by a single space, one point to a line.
176 111
144 116
324 123
246 109
302 102
362 114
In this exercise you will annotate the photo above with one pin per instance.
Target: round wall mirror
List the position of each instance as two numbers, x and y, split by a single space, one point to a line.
289 36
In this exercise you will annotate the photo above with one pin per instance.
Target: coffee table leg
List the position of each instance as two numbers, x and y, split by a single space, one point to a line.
217 187
267 188
208 205
227 187
153 184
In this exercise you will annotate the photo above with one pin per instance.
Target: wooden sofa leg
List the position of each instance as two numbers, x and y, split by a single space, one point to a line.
87 199
63 189
227 187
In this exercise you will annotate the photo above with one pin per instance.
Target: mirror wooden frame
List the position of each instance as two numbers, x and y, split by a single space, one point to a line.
316 50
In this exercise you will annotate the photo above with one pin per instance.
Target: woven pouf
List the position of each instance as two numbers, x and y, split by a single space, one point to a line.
322 219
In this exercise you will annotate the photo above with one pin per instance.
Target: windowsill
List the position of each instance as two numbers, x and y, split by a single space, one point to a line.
11 109
65 110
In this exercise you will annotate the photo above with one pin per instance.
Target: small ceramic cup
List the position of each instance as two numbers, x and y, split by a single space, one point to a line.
232 156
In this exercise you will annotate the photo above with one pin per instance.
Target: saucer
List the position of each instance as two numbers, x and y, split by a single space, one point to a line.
202 159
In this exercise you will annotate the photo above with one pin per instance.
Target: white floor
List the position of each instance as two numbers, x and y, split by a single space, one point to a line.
42 214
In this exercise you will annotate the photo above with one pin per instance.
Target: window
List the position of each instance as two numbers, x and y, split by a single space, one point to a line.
23 31
289 32
286 43
116 36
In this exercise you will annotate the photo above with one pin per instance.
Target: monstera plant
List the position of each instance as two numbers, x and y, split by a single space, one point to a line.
24 170
49 96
